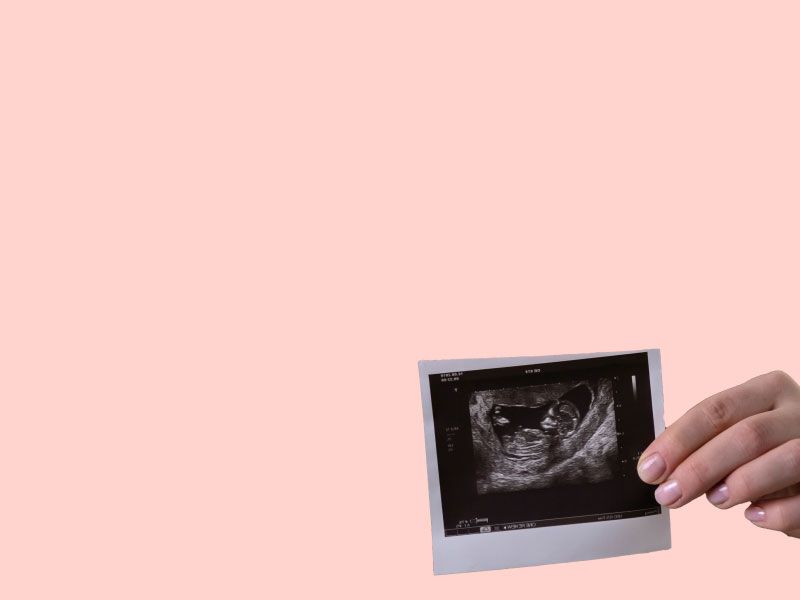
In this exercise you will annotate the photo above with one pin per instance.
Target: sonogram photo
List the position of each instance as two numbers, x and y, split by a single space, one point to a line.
539 447
544 435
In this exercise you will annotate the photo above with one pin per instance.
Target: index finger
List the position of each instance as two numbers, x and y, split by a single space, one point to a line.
705 421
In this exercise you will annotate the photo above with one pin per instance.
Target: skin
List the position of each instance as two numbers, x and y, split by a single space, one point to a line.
741 445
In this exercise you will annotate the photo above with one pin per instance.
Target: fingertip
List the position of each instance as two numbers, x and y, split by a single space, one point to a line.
719 495
651 467
755 514
669 494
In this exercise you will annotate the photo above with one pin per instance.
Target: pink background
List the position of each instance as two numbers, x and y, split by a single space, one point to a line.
228 231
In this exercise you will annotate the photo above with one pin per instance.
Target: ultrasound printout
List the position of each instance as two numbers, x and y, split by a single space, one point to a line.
533 460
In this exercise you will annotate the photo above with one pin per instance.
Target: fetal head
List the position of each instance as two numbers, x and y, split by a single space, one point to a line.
523 430
561 419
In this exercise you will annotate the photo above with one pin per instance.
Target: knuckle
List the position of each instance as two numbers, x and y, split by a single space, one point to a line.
780 377
792 451
742 487
778 381
700 471
717 411
671 444
778 517
753 437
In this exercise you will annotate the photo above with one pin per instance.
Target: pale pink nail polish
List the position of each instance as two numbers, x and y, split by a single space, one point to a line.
651 468
668 492
755 514
719 494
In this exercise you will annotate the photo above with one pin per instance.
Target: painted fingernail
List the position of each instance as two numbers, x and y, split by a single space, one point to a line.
719 494
668 492
651 468
755 514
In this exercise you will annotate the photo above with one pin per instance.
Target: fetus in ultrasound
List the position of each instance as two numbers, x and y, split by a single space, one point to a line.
544 435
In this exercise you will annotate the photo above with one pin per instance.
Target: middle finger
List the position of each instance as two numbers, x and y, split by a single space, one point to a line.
770 476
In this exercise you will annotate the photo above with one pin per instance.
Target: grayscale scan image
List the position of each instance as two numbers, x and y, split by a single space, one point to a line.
537 447
544 435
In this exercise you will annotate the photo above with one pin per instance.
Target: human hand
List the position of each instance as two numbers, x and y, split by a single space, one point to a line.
739 445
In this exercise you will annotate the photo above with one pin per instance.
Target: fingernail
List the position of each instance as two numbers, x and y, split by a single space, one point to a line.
651 468
668 492
719 494
755 514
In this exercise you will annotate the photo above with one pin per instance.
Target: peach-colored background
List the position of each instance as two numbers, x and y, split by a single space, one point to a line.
229 230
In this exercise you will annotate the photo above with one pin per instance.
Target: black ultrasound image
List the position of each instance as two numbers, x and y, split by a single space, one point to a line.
545 435
543 445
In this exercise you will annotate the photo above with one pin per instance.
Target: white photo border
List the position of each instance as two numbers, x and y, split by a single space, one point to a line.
546 545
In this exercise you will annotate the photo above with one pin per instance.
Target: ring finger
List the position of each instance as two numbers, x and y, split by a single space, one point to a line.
769 473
